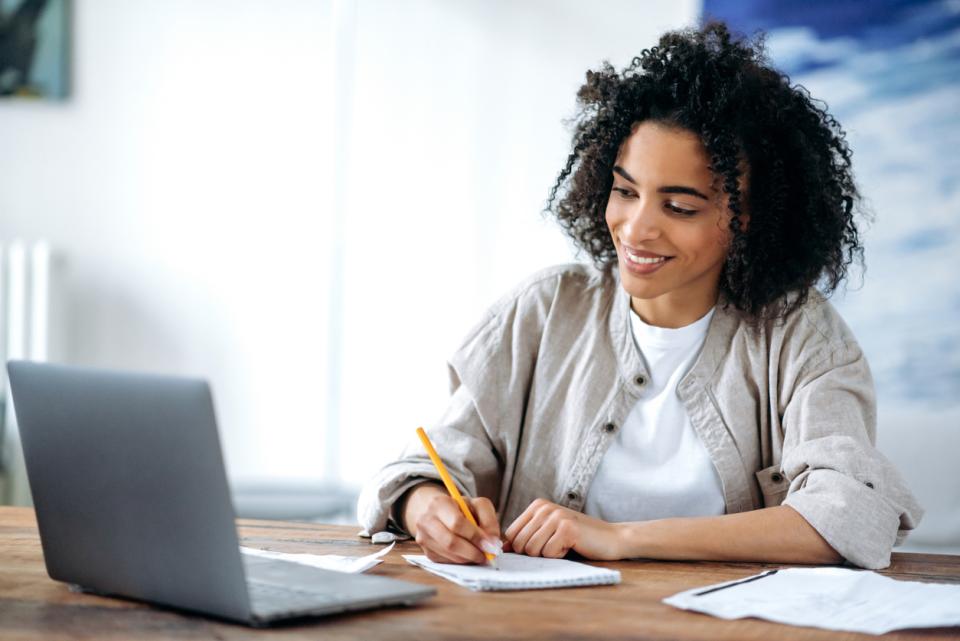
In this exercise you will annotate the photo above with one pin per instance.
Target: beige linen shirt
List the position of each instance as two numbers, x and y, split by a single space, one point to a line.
787 412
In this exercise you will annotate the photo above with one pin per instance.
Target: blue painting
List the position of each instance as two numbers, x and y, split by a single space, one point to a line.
889 72
33 48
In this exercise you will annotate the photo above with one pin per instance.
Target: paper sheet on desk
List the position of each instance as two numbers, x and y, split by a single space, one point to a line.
336 562
519 572
831 598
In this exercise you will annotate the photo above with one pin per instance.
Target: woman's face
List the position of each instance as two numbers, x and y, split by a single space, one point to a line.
669 225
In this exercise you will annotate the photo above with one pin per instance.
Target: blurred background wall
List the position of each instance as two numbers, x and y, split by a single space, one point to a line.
307 202
310 203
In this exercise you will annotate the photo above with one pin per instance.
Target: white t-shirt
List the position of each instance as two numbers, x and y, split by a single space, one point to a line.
656 467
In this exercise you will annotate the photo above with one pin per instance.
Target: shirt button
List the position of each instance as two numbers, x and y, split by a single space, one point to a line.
609 428
640 380
572 496
776 477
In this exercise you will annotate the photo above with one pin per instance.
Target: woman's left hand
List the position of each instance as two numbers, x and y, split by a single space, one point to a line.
550 530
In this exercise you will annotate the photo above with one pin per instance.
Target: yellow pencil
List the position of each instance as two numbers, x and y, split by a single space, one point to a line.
448 482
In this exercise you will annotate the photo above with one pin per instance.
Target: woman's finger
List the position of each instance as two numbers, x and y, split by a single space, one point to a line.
539 538
516 527
521 520
560 541
454 520
439 538
486 517
539 513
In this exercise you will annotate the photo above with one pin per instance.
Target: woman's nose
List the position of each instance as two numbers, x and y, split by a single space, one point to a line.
642 222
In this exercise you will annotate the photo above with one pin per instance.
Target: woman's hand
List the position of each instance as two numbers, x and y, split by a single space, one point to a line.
432 516
550 530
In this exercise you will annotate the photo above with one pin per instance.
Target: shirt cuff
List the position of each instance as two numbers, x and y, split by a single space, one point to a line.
375 506
856 520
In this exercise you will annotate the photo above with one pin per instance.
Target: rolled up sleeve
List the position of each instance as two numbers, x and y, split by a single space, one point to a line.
847 490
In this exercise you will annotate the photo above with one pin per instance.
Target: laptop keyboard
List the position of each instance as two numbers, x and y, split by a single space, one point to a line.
281 589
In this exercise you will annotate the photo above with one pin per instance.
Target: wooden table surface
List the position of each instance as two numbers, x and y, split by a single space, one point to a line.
35 608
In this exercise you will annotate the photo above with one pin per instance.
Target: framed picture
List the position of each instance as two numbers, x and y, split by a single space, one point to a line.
34 48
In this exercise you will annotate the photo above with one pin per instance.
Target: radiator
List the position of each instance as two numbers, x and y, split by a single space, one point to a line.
24 316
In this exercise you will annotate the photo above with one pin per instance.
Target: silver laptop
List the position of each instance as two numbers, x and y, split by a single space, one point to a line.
132 500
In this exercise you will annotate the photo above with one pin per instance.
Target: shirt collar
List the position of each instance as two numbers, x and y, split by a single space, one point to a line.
722 327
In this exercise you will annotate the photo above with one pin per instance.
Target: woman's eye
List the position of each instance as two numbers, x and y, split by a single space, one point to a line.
680 210
624 193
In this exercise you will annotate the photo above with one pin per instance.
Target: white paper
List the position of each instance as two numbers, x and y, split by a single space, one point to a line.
519 572
830 598
336 562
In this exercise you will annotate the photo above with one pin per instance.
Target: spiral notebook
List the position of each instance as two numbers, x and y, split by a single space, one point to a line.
519 572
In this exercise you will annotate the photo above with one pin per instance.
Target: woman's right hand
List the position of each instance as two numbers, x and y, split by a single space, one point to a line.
431 515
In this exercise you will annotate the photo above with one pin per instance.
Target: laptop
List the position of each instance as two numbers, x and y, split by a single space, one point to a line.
132 500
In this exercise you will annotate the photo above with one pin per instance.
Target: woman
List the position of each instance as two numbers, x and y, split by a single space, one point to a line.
693 395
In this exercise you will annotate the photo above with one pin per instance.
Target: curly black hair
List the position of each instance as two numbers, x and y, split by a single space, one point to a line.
801 193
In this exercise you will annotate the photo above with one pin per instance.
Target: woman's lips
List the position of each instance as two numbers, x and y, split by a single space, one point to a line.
643 262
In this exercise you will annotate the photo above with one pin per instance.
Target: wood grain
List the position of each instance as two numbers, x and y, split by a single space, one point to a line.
35 608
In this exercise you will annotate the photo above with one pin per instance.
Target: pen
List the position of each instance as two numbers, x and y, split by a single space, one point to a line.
451 487
735 583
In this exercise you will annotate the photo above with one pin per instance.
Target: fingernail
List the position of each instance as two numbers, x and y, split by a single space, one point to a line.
492 546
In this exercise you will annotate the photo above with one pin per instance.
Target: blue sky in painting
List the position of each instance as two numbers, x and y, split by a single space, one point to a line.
890 73
868 22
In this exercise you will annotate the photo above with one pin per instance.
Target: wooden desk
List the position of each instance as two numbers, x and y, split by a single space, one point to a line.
35 608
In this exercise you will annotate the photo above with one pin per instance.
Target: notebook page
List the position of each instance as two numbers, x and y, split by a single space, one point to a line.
519 572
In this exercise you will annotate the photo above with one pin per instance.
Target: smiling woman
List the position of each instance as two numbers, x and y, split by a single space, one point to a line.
670 235
692 395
